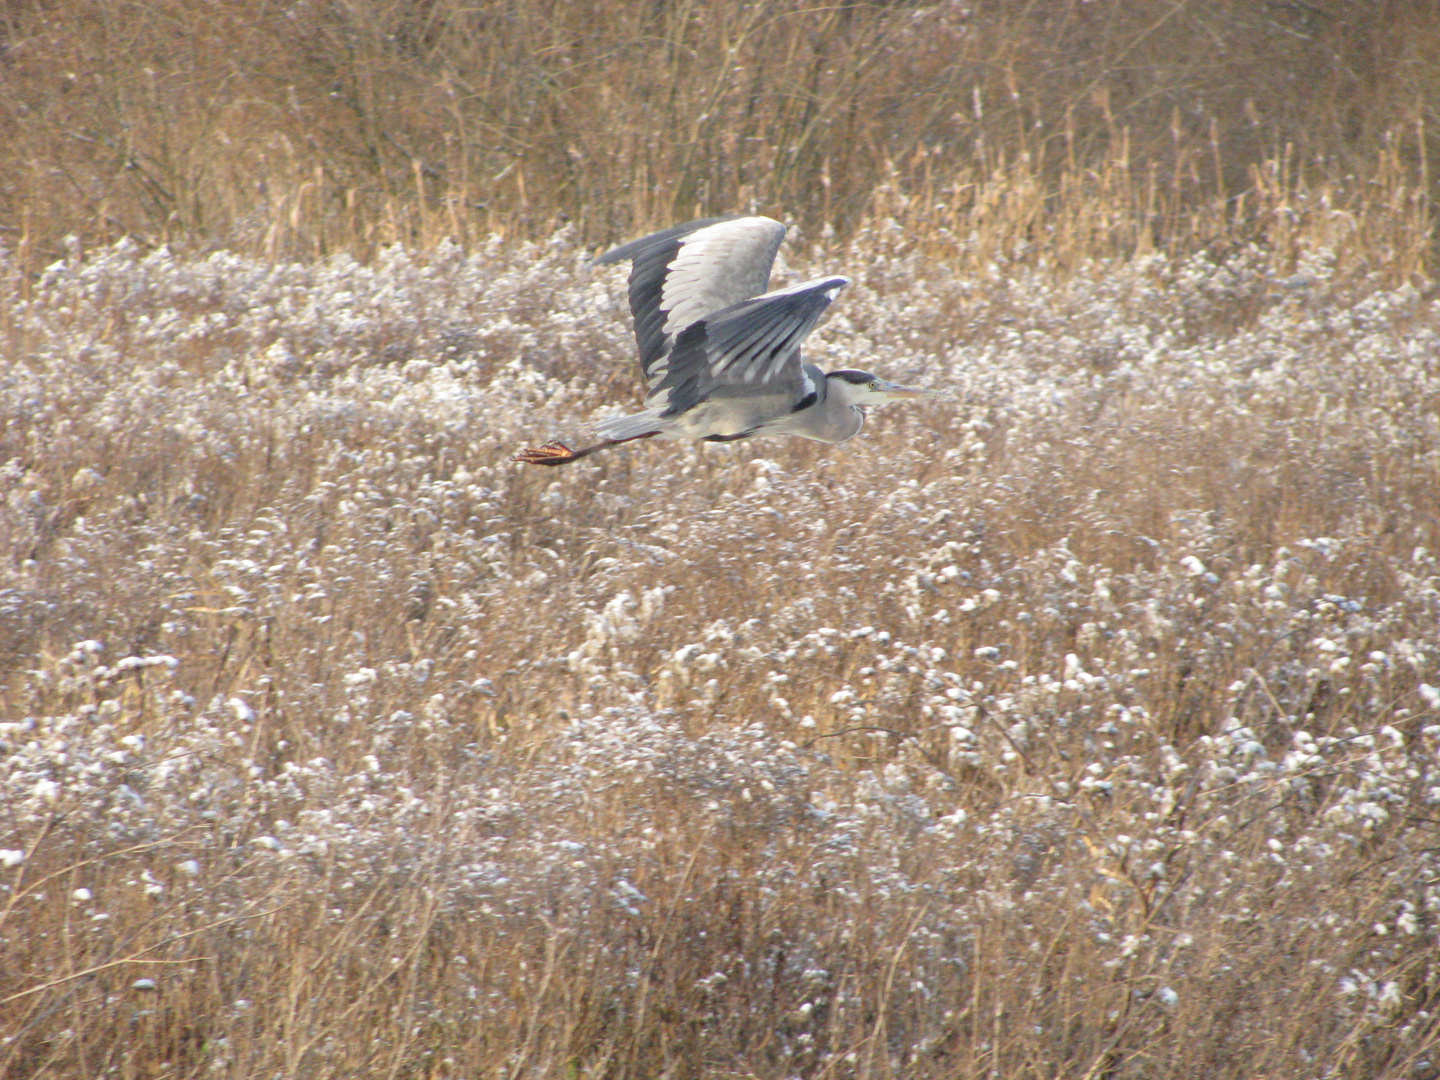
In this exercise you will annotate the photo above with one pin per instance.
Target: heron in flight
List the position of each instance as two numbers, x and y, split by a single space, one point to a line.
720 355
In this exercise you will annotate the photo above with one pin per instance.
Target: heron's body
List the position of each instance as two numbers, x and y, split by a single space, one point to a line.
720 355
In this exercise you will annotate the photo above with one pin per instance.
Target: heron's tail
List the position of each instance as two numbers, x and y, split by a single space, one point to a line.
622 428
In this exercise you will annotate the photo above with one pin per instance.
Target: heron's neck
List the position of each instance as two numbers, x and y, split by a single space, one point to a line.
842 417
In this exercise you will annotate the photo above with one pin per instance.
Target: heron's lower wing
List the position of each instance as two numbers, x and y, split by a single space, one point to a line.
682 274
752 347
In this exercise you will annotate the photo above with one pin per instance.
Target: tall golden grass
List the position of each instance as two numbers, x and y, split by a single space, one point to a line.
302 129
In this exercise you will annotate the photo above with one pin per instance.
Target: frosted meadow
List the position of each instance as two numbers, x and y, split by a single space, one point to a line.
1084 725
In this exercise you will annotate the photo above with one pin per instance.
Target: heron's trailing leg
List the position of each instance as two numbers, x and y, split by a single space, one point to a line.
557 453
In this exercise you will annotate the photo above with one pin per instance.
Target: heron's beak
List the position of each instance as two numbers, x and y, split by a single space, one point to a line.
900 393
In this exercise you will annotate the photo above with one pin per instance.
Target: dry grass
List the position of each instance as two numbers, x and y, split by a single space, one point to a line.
1082 726
296 130
1085 725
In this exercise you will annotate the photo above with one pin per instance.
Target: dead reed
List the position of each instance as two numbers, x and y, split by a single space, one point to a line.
312 128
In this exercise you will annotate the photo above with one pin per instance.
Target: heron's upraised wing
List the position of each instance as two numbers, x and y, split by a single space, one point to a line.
682 274
748 349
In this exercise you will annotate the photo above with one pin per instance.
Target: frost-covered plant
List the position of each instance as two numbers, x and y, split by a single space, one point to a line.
1089 718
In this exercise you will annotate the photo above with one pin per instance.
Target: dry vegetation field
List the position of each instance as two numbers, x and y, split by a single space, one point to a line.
1086 724
315 127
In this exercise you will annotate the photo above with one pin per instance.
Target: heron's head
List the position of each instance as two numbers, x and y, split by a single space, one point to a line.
862 388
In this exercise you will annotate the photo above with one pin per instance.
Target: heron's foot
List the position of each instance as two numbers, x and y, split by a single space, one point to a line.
555 453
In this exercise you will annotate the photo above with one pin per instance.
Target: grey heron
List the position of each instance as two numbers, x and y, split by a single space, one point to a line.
720 355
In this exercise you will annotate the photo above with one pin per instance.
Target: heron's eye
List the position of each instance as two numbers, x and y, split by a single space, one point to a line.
874 384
